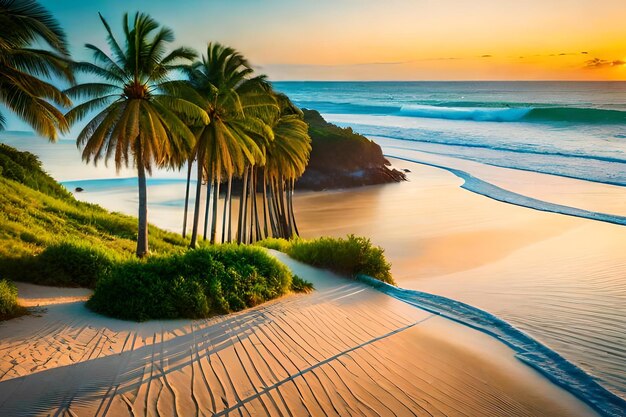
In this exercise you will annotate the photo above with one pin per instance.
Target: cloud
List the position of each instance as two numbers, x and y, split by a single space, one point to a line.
596 63
486 56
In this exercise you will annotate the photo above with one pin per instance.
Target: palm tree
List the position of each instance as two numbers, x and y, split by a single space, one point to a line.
142 121
23 23
225 148
287 157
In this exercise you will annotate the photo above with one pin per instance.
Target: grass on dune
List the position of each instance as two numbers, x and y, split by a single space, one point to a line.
350 256
48 237
43 238
9 307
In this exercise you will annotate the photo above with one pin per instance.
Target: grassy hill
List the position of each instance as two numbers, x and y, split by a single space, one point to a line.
37 213
48 237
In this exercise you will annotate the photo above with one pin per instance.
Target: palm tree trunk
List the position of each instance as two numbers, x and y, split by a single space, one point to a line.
252 197
270 209
209 189
279 224
142 229
190 164
230 209
257 223
293 215
244 228
265 235
216 197
226 211
287 209
283 216
196 211
241 226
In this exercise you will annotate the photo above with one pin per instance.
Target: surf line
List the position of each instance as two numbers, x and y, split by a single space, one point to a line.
536 355
478 186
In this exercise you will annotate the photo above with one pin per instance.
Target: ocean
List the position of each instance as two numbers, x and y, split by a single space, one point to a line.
572 129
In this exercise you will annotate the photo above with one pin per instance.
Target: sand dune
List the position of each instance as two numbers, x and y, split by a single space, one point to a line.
346 349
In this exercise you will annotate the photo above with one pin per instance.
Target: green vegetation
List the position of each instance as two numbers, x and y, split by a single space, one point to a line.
44 229
300 285
8 298
199 283
342 158
278 244
48 237
69 264
26 28
350 256
141 121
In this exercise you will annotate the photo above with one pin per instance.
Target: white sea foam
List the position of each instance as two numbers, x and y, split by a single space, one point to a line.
466 113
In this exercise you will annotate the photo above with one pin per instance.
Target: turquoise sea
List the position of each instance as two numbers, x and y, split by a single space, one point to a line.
574 129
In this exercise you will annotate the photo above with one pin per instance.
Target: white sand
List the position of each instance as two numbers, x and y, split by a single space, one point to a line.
346 349
30 295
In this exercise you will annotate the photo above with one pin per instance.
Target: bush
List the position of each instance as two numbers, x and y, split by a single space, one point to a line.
300 285
278 244
199 283
350 256
8 298
67 264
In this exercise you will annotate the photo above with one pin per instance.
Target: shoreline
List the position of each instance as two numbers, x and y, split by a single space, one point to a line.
528 350
549 275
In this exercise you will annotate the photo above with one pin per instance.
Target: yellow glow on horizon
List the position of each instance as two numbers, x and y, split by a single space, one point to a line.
397 39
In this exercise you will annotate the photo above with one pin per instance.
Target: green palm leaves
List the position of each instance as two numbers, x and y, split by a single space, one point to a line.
22 67
238 105
253 133
139 120
222 117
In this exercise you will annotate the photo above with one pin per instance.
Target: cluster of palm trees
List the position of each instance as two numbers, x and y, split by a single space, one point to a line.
240 134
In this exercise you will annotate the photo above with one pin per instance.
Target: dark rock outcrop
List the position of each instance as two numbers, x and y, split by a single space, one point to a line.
342 158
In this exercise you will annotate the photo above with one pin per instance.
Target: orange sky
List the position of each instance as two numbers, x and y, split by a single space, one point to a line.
390 39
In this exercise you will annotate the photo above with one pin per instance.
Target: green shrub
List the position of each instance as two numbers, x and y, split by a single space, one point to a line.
350 256
8 298
300 285
66 264
199 283
278 244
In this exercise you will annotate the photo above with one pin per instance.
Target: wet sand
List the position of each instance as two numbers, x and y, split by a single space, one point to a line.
346 349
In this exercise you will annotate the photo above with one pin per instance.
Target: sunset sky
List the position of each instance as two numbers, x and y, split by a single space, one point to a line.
387 40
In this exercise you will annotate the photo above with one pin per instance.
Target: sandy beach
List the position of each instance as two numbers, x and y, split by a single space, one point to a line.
559 278
346 349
